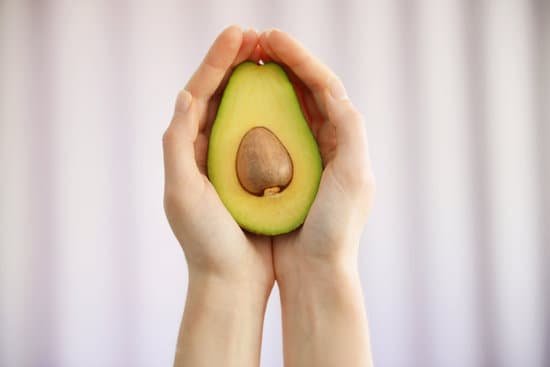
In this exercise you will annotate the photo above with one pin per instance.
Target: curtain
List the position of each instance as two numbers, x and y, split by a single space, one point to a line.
455 258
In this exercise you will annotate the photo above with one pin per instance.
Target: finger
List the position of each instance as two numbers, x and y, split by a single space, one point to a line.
256 54
266 53
283 48
216 63
249 44
178 143
351 138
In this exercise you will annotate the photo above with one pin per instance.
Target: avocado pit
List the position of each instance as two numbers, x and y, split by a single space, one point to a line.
264 167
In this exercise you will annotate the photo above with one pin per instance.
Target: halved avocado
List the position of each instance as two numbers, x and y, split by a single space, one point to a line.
263 160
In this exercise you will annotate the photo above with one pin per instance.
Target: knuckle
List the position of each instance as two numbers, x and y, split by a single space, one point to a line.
367 183
367 191
356 116
352 116
168 137
182 100
361 180
172 203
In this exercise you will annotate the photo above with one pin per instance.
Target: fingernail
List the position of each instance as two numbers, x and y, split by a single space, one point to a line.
183 101
337 90
252 29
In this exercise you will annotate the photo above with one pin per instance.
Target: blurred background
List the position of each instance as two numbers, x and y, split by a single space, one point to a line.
455 259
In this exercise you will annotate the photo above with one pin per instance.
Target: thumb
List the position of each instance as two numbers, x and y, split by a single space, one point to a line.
351 161
180 166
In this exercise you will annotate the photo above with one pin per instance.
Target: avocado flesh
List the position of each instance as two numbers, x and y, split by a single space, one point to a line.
262 96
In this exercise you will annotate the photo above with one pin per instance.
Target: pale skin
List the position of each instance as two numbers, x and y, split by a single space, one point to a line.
232 272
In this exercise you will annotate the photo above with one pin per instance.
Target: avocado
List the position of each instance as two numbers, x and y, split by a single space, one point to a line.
263 159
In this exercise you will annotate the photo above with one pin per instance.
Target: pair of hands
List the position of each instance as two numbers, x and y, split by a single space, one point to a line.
214 245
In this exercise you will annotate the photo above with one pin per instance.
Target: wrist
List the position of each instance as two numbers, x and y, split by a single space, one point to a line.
318 272
334 283
228 289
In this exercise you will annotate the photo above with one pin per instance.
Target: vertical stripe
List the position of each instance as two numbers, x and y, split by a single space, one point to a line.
415 168
122 176
42 294
474 12
376 89
513 217
15 234
541 19
445 154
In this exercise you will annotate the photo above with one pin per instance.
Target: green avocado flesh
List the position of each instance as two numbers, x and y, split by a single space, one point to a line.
262 96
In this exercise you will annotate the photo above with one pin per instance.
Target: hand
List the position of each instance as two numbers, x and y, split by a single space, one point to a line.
331 232
324 320
230 271
212 241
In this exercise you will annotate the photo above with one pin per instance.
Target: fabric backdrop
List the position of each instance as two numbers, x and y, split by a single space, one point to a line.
455 259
